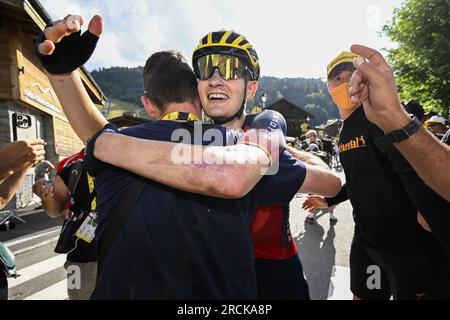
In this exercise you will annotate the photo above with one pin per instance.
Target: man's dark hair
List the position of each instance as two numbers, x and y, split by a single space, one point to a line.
169 79
345 66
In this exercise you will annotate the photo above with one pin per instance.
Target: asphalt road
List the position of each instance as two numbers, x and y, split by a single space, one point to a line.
323 249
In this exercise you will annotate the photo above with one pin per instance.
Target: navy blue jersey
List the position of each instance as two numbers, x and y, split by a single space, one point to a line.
176 245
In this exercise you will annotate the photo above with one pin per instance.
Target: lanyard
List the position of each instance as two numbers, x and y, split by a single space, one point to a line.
178 115
91 190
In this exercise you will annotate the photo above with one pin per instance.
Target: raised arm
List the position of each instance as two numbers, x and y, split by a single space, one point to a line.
374 85
9 187
83 115
15 160
61 59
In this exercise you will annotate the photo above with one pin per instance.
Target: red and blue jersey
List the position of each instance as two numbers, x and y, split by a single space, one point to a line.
270 229
67 162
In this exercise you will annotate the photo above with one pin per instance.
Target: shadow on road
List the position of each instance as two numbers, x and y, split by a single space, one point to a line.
318 258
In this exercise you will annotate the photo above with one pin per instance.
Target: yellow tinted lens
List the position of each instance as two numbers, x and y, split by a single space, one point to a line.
205 67
230 68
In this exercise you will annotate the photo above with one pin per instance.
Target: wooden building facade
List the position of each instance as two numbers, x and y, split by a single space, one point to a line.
295 116
29 107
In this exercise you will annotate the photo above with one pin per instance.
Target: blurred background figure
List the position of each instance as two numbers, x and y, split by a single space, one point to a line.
314 145
428 115
415 108
43 172
437 125
312 141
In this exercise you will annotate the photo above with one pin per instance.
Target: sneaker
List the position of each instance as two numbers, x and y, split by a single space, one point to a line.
333 220
310 220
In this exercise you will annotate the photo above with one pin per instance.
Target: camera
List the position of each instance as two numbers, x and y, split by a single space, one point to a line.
22 120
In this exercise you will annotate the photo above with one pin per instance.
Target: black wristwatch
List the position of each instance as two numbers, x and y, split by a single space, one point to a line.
385 142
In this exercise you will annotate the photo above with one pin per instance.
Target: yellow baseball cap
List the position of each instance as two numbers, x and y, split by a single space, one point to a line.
344 56
436 119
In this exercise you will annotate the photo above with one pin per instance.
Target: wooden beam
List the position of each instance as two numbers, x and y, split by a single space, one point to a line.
14 46
34 15
90 87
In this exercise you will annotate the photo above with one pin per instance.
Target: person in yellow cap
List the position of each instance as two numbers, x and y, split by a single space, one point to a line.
437 125
391 253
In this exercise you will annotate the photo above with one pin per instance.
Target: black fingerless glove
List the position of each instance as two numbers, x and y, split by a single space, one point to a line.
93 165
70 53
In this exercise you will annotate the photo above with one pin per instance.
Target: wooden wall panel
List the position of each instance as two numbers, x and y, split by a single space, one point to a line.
66 141
36 89
5 76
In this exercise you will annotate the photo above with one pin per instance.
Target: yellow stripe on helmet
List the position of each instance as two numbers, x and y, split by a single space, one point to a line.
225 37
237 41
253 62
209 39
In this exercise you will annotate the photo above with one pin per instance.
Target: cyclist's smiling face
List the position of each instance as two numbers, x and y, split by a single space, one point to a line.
219 97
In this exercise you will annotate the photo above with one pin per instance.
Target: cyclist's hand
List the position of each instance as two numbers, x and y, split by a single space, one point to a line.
62 48
373 84
313 203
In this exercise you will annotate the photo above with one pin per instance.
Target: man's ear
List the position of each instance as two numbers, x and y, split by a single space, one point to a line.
149 107
329 90
252 87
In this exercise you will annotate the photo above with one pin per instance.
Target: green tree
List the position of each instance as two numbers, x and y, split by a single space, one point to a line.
422 59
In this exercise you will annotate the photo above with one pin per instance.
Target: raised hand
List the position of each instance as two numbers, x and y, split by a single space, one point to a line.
62 48
43 189
373 84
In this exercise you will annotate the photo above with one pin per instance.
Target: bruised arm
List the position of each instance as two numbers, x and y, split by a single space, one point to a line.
83 115
226 172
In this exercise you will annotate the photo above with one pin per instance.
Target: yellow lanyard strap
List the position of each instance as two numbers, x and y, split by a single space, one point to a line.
178 115
91 190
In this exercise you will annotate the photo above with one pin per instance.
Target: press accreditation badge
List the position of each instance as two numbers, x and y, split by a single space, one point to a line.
86 231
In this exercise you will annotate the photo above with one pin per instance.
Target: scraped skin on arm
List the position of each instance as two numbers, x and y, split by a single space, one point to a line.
227 172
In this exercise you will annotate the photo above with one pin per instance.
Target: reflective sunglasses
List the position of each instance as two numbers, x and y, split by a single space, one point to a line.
230 67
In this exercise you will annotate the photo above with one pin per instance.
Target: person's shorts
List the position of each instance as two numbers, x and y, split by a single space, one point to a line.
82 287
417 274
281 279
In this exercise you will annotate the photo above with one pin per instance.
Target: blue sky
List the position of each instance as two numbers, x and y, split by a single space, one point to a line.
293 38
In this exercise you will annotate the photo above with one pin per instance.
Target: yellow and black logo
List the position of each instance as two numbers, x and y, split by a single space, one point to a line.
357 142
